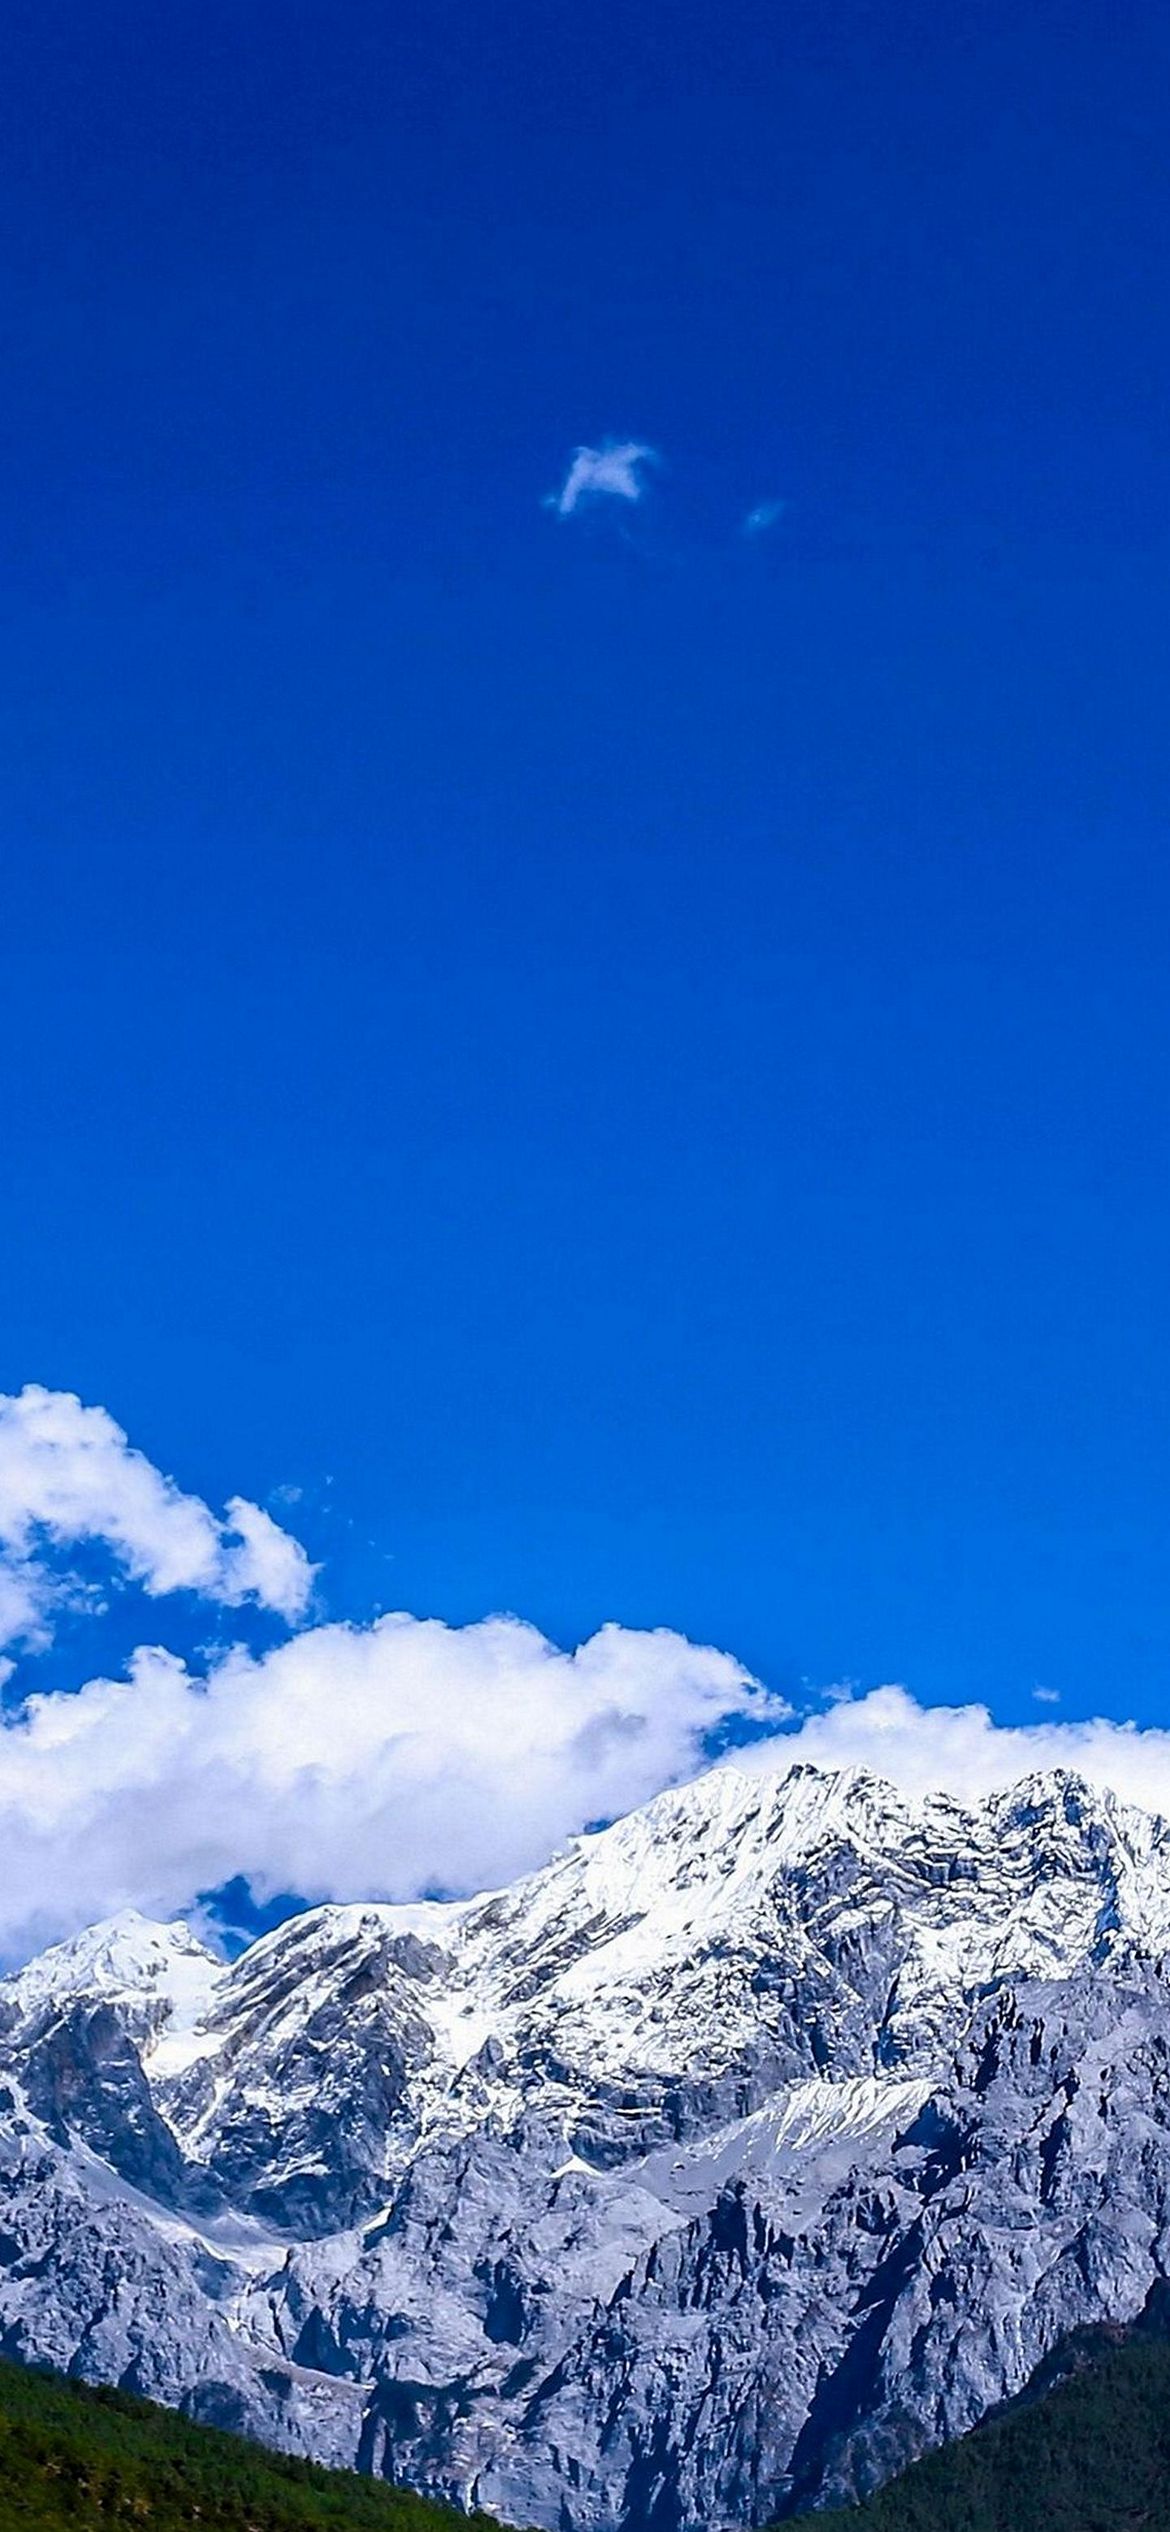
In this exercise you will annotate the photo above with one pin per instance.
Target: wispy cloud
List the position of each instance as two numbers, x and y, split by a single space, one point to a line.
766 514
613 472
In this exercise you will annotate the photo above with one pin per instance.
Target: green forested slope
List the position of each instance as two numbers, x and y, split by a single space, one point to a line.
71 2457
1091 2454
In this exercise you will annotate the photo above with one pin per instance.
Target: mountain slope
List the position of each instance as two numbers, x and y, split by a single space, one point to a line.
1092 2454
755 2146
74 2457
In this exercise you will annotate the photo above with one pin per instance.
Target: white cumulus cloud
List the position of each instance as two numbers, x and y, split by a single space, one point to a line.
961 1750
613 472
373 1762
386 1760
68 1476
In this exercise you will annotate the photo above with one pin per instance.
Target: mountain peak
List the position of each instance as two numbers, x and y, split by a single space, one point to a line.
126 1954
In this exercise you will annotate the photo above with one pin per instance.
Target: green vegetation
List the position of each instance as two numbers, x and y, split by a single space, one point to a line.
72 2457
1092 2454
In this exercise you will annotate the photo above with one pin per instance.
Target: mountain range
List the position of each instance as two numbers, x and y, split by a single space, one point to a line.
758 2144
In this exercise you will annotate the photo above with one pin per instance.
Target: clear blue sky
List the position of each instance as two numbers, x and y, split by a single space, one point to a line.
638 1053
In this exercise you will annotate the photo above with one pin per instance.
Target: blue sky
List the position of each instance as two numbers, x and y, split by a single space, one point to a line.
625 1060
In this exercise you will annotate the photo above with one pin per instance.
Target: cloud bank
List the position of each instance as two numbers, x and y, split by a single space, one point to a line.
613 472
386 1760
409 1757
961 1750
69 1476
375 1762
378 1761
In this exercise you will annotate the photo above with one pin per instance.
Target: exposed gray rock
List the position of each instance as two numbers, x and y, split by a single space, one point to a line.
712 2173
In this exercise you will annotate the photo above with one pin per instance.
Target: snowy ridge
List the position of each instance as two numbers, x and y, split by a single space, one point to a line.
581 2200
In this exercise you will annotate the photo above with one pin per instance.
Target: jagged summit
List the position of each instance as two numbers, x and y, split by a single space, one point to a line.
757 2141
788 1809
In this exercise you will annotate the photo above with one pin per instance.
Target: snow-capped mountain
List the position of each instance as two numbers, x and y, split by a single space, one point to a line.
756 2143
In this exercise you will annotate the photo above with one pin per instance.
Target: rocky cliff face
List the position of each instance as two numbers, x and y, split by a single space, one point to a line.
756 2144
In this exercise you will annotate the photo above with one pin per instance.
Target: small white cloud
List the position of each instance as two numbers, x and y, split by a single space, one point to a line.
68 1475
262 1562
766 514
1046 1696
613 472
